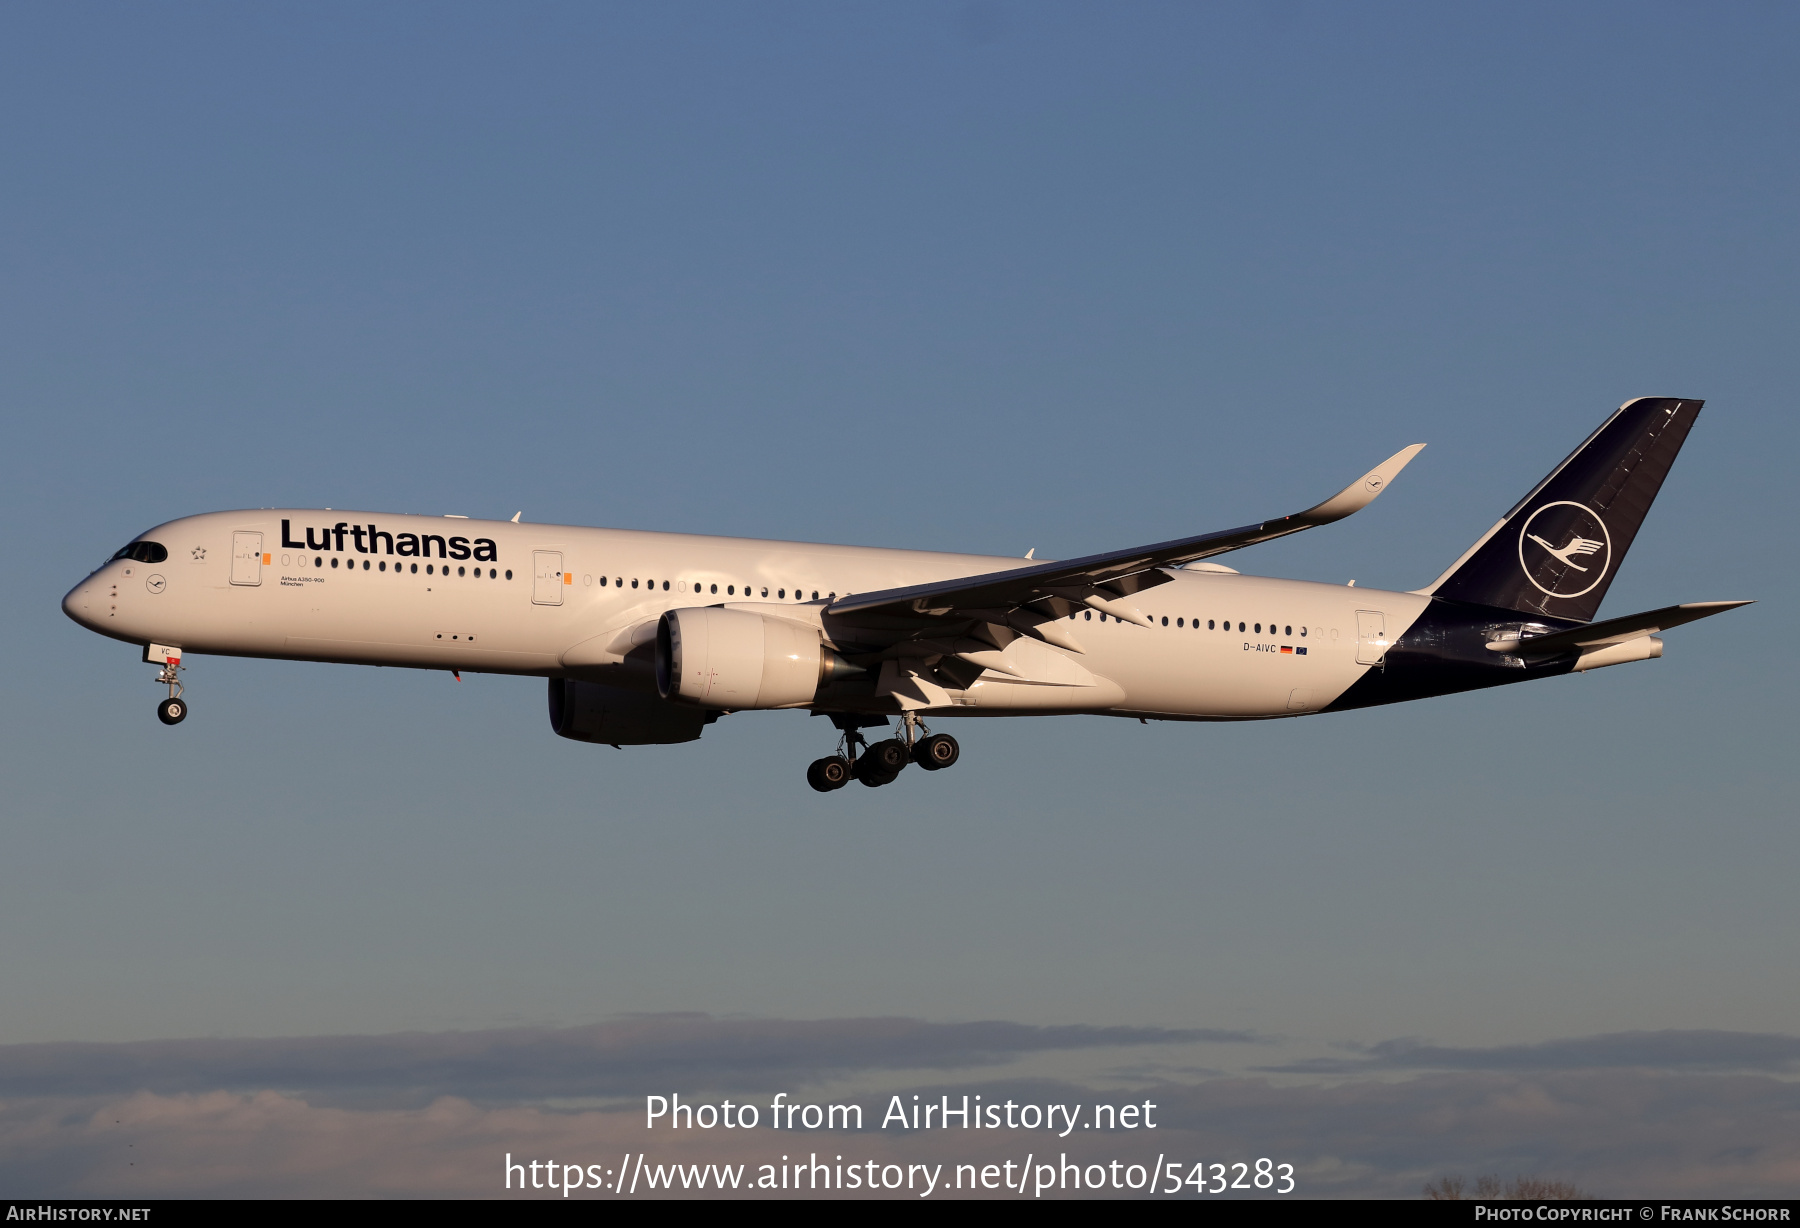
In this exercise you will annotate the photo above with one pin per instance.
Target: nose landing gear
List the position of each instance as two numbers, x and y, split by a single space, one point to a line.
880 763
173 710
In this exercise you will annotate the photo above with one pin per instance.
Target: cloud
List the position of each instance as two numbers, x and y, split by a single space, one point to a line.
1671 1051
1615 1133
1666 1114
631 1056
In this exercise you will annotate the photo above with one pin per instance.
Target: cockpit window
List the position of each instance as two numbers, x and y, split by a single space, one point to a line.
144 552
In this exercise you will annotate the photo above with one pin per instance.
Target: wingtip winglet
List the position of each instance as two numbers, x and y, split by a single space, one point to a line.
1362 492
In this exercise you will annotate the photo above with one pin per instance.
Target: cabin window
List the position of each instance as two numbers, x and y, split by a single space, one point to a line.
665 586
1088 614
1303 633
1165 620
509 573
1287 631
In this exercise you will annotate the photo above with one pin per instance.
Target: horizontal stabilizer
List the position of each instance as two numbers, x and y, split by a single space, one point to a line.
1614 630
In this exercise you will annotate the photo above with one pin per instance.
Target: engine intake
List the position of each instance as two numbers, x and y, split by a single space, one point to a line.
735 659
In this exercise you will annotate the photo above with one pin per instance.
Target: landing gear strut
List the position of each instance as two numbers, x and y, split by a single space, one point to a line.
880 763
173 710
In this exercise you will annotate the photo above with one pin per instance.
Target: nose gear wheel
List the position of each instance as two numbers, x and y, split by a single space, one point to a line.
174 709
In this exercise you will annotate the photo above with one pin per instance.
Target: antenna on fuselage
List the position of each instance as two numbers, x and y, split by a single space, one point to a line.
516 516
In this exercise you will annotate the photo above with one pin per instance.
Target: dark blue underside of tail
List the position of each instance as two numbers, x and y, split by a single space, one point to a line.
1445 651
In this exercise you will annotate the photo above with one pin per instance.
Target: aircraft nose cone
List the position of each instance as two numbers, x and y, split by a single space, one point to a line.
78 604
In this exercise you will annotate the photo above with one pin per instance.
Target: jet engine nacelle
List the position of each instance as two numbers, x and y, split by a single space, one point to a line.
734 659
593 712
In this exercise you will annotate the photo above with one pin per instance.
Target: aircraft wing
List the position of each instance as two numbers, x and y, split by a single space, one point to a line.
1101 581
1617 630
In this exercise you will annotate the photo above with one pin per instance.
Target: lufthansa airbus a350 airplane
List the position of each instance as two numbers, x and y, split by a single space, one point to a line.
649 637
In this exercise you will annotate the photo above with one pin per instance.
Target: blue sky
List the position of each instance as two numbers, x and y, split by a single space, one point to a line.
981 277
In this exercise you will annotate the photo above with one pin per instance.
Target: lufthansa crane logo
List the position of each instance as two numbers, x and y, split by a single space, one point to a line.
1564 549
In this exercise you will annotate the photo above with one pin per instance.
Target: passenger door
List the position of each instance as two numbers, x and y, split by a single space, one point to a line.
246 558
1371 637
547 577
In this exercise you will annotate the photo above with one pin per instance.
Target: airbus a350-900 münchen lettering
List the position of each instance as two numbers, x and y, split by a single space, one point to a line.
649 637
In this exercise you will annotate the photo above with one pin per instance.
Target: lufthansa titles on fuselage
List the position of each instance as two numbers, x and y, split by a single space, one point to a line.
406 545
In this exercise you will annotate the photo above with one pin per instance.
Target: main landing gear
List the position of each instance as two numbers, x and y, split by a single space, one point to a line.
881 763
173 710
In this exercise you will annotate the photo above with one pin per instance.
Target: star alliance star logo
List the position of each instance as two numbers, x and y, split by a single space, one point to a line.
199 554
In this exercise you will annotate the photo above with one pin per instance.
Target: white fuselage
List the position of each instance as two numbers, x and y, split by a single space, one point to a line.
555 600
